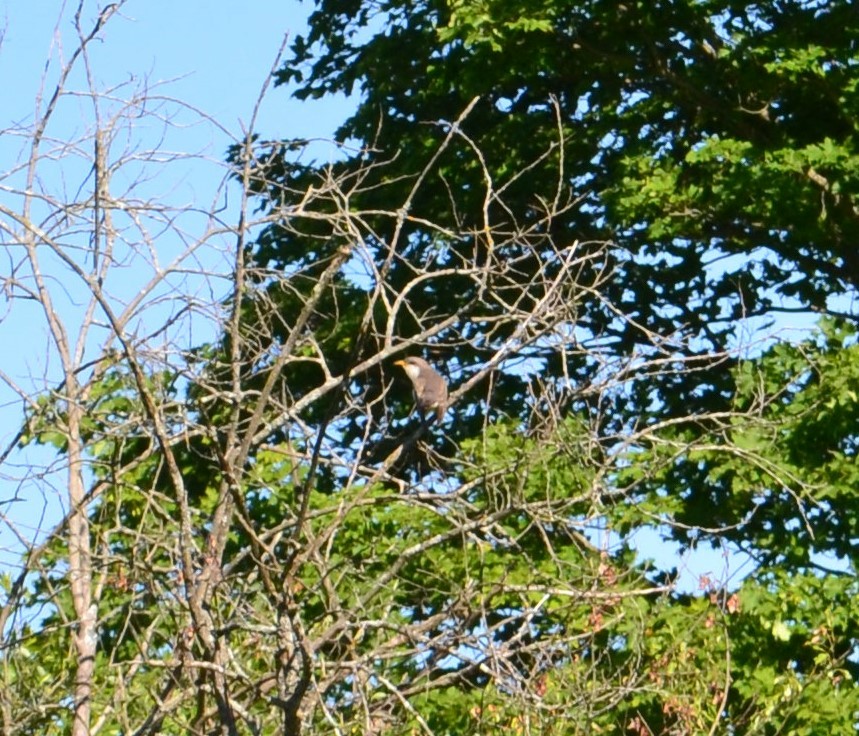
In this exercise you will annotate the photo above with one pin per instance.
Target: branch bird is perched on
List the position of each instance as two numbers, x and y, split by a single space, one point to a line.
430 388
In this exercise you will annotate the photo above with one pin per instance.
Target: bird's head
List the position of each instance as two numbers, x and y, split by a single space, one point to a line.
414 367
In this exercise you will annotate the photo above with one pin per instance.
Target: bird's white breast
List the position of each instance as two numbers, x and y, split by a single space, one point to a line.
412 371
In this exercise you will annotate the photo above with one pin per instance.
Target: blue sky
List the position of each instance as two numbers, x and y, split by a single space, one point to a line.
214 57
218 53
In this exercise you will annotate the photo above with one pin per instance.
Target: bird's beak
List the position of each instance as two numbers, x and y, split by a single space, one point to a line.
399 362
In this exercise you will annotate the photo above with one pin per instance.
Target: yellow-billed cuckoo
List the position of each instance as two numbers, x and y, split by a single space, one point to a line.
430 387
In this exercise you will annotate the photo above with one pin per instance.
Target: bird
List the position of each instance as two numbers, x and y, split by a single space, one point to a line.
430 388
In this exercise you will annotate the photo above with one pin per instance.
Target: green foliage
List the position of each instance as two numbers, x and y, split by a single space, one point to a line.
716 144
791 652
782 479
